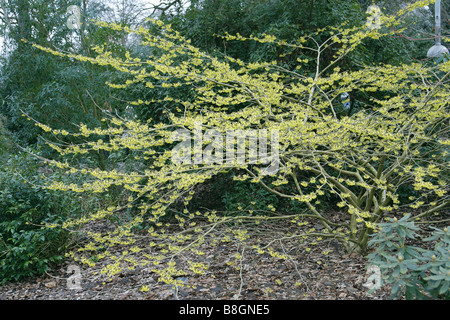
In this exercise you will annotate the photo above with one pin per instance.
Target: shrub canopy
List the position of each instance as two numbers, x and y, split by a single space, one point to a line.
398 139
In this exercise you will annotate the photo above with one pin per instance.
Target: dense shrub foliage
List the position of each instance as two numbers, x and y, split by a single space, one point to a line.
27 246
108 119
365 159
414 272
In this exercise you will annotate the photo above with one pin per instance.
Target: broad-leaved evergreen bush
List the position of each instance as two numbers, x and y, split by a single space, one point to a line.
412 270
27 246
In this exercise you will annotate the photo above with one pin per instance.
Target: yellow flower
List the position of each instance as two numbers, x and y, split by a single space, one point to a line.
144 289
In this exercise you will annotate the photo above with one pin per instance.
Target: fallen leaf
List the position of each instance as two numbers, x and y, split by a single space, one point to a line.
50 285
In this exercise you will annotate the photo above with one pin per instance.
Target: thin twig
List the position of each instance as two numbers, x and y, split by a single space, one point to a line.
295 266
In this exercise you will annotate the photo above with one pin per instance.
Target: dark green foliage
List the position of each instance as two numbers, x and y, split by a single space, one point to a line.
248 196
27 247
414 272
205 21
58 92
5 142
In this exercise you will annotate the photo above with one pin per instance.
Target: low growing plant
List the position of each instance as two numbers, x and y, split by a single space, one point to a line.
414 272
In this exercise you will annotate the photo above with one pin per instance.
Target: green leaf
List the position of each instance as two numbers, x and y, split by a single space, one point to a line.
435 277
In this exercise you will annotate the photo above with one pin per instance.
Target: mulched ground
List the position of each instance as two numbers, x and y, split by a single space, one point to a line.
307 275
339 277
